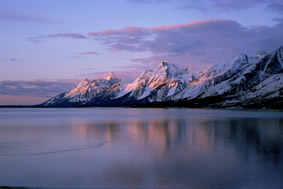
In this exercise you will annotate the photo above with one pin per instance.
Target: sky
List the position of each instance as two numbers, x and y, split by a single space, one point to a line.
47 47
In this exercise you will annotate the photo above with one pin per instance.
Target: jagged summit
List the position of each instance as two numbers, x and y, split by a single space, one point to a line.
232 65
110 76
167 76
163 64
84 82
244 81
87 90
170 70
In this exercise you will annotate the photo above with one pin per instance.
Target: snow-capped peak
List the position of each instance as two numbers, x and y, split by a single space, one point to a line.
166 75
231 65
165 72
170 70
240 80
112 79
84 82
163 64
110 76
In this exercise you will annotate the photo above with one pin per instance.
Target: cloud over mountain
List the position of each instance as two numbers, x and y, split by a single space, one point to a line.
199 42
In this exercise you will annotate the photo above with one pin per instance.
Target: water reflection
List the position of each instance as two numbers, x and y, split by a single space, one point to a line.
196 153
167 151
263 136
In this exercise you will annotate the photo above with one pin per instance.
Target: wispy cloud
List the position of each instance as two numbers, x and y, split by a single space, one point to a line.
147 1
21 17
193 7
83 54
217 5
42 88
223 5
90 53
58 35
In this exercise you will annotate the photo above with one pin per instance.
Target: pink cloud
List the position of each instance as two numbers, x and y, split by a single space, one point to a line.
164 39
189 24
194 44
130 30
198 43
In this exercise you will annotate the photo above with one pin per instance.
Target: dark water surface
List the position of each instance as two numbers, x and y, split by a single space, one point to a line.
145 148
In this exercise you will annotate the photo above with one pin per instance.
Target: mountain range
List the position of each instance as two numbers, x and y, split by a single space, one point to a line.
242 81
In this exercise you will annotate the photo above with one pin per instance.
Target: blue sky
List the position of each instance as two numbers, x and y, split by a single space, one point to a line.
48 43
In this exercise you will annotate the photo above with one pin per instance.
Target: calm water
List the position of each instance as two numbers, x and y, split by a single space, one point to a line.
120 147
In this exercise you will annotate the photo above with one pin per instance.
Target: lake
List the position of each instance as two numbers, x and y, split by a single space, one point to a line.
141 147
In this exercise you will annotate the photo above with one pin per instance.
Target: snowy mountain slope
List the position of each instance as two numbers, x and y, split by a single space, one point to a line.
86 91
235 75
212 81
242 81
261 80
167 80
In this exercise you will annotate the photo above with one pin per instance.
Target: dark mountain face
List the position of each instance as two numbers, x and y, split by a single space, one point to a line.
252 82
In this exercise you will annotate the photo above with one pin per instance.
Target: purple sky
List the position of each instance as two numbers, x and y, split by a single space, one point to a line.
48 46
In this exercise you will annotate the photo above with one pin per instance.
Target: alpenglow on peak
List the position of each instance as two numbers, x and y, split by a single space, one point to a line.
110 76
242 81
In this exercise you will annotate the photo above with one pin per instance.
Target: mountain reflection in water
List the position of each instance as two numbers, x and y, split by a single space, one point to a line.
141 148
